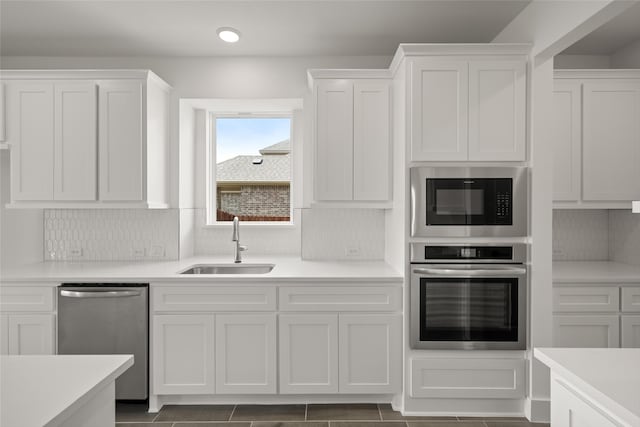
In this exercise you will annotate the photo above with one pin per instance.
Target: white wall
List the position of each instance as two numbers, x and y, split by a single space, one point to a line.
627 57
573 62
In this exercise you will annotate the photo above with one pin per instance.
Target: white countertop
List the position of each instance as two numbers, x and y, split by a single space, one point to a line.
608 376
602 272
44 390
286 269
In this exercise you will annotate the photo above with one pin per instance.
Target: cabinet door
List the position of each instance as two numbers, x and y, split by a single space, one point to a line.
631 331
75 141
308 353
31 106
245 353
611 141
586 331
183 354
567 140
497 106
31 334
4 334
570 408
371 141
120 140
334 140
439 109
3 122
370 353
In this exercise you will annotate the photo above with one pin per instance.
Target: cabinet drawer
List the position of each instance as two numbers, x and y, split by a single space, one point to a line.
467 378
586 299
349 298
26 298
631 299
211 298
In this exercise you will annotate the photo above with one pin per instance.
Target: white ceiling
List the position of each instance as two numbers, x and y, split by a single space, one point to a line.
619 32
294 27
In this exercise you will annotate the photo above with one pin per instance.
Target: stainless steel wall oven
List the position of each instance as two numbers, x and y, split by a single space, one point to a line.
474 201
467 296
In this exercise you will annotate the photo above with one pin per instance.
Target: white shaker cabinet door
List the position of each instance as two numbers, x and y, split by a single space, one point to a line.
611 141
4 334
245 353
589 331
334 141
183 354
3 111
75 141
308 353
371 141
32 131
631 331
120 137
370 353
30 333
566 131
497 104
439 109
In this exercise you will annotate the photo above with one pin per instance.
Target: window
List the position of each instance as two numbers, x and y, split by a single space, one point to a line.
253 167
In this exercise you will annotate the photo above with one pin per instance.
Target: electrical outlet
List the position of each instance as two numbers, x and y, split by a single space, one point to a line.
352 251
156 251
76 252
137 252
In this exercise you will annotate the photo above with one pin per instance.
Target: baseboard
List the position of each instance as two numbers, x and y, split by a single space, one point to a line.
537 410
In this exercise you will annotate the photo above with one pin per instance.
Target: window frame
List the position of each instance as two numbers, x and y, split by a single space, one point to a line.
210 175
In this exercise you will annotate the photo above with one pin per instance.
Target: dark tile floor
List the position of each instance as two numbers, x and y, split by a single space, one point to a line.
312 415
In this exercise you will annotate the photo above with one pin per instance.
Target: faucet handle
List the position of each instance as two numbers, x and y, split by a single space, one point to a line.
243 248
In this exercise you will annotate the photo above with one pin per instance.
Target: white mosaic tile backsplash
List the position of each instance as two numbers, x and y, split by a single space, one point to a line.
343 234
110 234
580 235
624 236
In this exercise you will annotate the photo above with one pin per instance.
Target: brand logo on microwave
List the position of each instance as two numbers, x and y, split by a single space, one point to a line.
468 182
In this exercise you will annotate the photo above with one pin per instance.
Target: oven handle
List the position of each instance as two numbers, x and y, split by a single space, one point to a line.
501 271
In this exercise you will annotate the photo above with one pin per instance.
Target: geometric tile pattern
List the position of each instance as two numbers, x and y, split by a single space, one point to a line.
581 235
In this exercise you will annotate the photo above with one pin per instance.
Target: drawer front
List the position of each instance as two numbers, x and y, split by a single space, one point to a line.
343 298
631 299
579 300
467 378
26 298
210 298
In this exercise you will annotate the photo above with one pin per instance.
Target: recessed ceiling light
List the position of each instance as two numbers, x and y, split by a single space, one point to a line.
228 34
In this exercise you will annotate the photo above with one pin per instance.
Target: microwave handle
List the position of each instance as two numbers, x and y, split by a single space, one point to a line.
502 271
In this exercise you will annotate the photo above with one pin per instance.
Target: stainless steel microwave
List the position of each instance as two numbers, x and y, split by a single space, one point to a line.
469 202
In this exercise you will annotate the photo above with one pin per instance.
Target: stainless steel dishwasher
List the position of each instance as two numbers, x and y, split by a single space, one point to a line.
108 318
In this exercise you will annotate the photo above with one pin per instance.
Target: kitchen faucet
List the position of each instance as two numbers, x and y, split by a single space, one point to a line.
235 237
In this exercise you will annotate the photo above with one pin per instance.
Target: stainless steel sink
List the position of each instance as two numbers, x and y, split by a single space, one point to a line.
228 269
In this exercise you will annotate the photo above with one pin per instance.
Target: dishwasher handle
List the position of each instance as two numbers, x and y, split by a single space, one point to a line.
98 294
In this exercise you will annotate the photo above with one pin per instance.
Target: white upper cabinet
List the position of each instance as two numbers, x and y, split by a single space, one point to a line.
439 129
334 140
596 137
31 136
468 109
566 140
352 133
87 139
497 106
121 140
75 142
611 144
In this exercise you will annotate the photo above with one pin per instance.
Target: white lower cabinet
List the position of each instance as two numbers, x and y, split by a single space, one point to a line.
576 331
308 353
183 354
569 408
245 353
4 334
630 331
370 353
30 333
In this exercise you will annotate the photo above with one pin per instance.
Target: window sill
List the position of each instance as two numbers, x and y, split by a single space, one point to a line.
256 224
